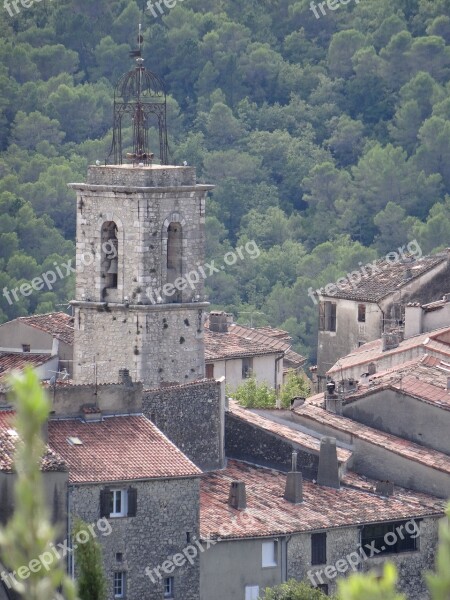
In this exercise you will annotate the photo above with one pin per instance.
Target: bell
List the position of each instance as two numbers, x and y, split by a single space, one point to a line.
113 267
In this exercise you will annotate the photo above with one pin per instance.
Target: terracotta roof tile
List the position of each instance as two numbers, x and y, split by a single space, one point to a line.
10 361
118 449
50 461
268 514
283 431
59 325
409 450
219 346
389 278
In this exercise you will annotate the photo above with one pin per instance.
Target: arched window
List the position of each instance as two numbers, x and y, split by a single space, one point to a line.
174 257
109 257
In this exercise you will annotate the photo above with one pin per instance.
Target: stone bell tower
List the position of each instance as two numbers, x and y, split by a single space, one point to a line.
140 249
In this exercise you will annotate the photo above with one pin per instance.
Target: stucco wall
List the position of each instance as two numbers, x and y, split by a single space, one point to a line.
166 511
263 371
403 416
229 566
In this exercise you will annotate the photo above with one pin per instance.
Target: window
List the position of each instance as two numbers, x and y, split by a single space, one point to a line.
323 587
269 554
168 587
209 371
247 367
109 257
318 548
251 592
118 502
327 316
174 258
26 348
119 585
392 538
361 313
119 556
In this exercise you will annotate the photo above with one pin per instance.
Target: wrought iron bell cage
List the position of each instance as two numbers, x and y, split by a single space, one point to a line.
140 95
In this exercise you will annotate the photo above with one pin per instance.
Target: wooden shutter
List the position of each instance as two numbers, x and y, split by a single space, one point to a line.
322 316
132 502
106 503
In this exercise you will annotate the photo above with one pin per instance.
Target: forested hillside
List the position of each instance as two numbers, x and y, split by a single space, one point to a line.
328 139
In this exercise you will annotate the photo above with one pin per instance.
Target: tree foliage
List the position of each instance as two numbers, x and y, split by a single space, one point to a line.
91 581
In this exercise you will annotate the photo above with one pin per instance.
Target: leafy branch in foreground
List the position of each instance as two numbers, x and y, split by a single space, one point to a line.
88 557
29 534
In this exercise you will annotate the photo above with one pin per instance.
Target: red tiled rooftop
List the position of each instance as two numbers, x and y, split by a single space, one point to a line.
118 449
434 341
8 441
409 450
10 361
219 346
268 514
283 431
59 325
389 278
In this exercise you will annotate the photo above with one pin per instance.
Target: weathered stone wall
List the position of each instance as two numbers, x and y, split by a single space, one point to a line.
343 541
157 344
137 325
192 417
247 442
167 510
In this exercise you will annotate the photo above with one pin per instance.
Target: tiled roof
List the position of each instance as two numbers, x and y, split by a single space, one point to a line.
59 325
118 449
409 450
389 278
8 441
243 341
437 341
219 346
10 361
283 431
424 378
268 514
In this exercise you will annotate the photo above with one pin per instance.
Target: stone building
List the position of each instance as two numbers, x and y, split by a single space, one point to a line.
237 352
372 301
264 536
140 248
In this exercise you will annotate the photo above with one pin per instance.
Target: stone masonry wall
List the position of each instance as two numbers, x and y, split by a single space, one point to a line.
157 344
167 510
192 418
343 541
247 442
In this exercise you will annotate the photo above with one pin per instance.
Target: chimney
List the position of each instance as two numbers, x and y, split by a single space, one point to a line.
328 473
124 378
237 498
384 488
294 483
389 341
218 322
55 346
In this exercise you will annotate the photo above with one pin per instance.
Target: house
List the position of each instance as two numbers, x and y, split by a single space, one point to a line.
139 492
264 535
363 307
44 339
237 352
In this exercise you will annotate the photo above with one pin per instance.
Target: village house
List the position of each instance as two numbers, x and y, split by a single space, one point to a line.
359 311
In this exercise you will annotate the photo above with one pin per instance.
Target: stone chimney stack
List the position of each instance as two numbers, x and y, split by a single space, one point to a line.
237 498
125 378
328 473
294 483
218 322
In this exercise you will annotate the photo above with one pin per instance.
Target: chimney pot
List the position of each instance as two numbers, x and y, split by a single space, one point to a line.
294 487
218 322
237 498
294 461
328 473
384 488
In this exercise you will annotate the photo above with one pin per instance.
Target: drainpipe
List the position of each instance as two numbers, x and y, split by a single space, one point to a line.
70 558
284 558
277 360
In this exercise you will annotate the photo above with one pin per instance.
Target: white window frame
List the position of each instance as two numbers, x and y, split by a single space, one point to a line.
251 592
168 587
123 503
269 551
119 578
